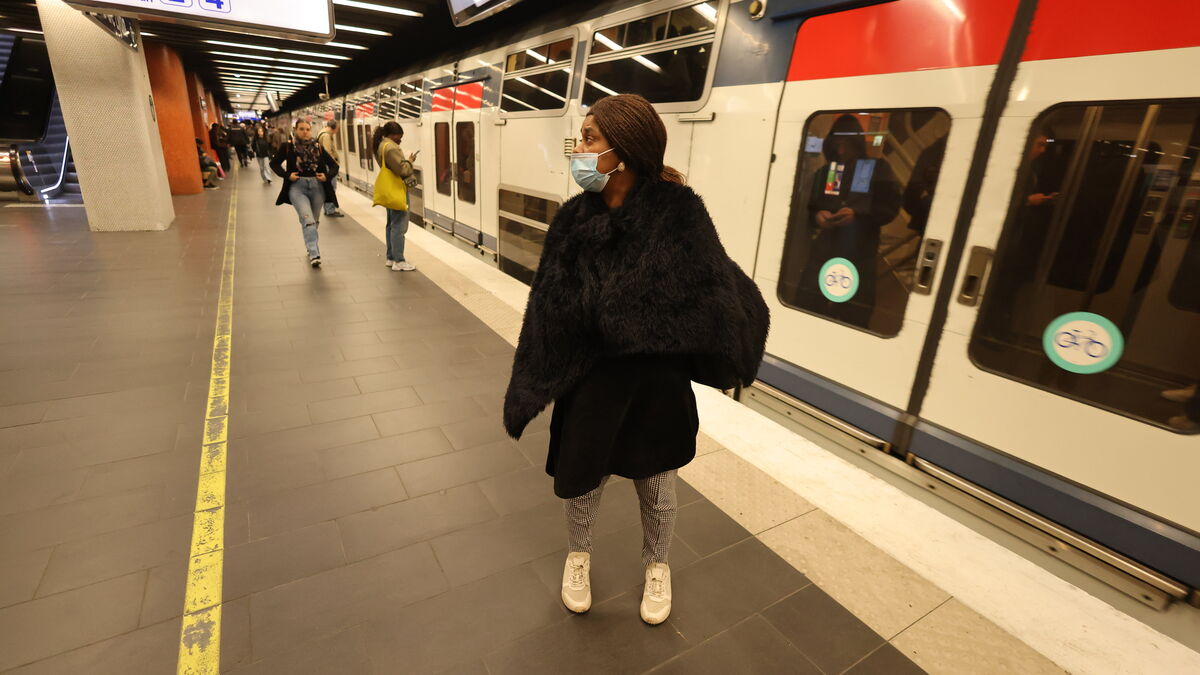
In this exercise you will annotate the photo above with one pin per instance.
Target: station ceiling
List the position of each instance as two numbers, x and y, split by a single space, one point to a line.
374 38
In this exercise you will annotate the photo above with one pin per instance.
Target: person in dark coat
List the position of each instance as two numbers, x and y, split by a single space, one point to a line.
218 139
634 299
306 170
240 141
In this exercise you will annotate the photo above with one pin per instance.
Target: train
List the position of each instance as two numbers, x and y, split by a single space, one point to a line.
974 222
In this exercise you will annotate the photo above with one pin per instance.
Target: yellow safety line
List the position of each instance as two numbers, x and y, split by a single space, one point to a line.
200 637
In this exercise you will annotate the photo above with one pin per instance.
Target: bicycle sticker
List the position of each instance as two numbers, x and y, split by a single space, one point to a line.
838 279
1083 342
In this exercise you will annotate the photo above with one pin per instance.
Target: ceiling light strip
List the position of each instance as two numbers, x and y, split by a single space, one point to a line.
372 7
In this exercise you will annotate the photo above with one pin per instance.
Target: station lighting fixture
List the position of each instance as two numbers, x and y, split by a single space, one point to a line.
344 45
277 59
372 7
278 50
262 67
23 30
240 77
360 29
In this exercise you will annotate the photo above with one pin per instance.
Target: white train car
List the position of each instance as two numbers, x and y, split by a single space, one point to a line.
974 221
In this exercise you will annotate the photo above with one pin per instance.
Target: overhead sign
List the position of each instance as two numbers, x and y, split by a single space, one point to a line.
463 12
310 20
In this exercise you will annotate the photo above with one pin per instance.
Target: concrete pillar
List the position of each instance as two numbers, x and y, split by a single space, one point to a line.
109 113
174 115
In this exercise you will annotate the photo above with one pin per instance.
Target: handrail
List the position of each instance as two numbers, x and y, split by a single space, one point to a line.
19 182
62 168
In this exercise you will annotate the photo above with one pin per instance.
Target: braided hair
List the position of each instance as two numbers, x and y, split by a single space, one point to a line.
637 134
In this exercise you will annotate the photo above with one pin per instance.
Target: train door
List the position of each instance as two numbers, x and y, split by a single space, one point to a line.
1070 341
455 120
871 150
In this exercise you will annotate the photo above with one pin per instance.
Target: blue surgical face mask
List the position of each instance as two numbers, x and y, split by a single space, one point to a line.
585 173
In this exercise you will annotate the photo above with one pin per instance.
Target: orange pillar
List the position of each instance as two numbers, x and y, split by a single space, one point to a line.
174 116
195 92
214 115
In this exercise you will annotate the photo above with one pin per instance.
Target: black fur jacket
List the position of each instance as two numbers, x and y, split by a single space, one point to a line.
649 277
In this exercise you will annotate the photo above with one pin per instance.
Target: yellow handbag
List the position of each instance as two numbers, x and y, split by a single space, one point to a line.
390 190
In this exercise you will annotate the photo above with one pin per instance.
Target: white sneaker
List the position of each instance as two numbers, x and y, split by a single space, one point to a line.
402 266
577 582
656 597
315 261
389 263
1180 395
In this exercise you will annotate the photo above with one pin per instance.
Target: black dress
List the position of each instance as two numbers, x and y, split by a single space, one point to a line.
630 416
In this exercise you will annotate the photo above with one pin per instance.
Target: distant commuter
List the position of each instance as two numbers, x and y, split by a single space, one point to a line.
208 168
218 139
307 171
241 144
276 136
634 298
391 190
326 138
262 153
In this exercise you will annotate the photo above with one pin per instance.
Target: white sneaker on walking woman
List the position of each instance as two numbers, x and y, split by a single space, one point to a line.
656 597
577 582
402 266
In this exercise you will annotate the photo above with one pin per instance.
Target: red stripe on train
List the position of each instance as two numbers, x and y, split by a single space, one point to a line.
909 35
1065 28
463 97
902 36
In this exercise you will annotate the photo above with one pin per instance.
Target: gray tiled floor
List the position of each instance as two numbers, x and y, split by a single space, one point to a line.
379 520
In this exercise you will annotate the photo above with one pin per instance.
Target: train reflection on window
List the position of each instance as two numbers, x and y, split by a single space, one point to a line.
864 187
537 78
400 102
675 72
1103 220
441 156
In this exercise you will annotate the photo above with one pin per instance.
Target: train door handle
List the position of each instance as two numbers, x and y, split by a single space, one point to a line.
927 258
979 267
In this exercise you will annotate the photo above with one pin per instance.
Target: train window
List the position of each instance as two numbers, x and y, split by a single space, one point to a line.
441 156
524 220
629 59
408 100
464 140
1085 298
864 186
537 79
387 103
350 135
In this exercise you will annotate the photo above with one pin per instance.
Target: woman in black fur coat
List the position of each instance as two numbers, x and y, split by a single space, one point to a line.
633 300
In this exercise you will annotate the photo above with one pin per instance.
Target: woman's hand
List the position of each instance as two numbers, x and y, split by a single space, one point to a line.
321 177
413 157
293 176
823 218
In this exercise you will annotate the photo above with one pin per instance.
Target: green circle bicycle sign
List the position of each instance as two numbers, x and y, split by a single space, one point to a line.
1083 342
838 279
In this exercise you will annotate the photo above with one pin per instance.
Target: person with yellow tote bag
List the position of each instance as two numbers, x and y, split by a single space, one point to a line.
391 190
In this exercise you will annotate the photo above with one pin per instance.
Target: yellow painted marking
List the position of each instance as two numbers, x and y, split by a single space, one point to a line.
216 430
210 494
212 458
200 643
200 636
204 576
